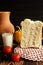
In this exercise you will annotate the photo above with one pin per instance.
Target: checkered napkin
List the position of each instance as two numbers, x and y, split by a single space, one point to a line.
34 54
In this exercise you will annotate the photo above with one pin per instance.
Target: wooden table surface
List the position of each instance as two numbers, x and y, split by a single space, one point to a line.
10 62
22 62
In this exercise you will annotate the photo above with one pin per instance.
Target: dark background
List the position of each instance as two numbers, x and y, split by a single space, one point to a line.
21 9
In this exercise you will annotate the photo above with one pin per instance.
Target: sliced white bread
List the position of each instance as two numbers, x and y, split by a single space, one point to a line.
31 33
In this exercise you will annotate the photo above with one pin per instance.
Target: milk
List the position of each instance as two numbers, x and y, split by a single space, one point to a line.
7 39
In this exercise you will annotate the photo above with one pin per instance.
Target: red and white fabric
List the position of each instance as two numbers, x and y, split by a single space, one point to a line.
34 54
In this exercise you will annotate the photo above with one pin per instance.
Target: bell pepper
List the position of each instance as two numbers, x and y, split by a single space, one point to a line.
18 35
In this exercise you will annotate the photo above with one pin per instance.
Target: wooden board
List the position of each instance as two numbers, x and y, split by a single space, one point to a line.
21 62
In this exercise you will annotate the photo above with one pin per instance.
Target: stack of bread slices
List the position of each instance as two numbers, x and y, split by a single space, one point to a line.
31 33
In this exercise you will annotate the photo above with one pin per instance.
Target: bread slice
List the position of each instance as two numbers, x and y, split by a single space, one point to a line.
31 33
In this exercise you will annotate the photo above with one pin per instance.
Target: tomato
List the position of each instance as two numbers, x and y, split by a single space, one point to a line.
7 50
16 57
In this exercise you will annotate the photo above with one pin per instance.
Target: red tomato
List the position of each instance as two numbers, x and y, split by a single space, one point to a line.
16 57
7 49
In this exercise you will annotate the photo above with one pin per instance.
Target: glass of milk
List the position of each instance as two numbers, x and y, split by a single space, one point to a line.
7 39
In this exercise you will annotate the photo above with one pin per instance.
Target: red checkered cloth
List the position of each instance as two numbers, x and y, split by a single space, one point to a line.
34 54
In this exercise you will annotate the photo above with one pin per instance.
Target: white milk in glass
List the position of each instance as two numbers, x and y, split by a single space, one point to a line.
7 39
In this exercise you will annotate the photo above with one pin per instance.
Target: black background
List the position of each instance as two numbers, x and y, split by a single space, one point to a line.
21 9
